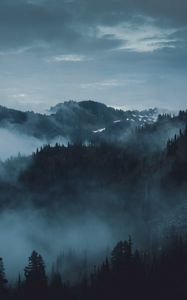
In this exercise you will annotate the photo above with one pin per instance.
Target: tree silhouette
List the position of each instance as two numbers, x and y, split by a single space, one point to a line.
3 280
35 275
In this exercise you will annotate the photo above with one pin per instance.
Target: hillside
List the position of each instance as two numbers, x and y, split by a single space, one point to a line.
76 121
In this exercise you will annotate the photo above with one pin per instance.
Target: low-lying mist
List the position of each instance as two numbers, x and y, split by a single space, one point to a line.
91 232
13 143
23 230
83 198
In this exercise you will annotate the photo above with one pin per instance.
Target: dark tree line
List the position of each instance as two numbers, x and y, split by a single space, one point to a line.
65 173
59 176
157 274
108 165
177 151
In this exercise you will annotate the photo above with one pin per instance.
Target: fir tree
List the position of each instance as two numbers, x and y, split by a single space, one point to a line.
3 280
35 274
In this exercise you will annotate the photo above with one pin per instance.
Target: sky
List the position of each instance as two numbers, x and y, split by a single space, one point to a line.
125 53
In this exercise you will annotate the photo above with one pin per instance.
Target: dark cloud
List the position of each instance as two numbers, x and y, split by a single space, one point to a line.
69 22
22 22
55 49
115 10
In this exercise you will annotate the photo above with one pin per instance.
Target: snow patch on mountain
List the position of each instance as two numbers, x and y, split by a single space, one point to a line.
99 130
117 121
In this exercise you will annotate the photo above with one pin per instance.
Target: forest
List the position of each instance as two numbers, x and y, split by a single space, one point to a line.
113 208
157 273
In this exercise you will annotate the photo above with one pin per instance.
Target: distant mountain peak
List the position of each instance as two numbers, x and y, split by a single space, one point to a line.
86 104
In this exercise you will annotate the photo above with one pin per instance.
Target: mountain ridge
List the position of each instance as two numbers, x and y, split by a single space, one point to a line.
67 117
90 121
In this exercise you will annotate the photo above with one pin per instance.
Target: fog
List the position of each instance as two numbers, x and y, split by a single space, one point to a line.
13 143
82 215
94 232
23 230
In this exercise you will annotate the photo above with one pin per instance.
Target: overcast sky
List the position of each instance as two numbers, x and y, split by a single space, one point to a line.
129 53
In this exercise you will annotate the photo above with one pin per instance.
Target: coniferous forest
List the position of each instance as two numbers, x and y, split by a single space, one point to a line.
104 215
158 273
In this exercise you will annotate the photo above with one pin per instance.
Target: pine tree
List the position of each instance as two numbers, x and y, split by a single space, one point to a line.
35 274
3 280
117 258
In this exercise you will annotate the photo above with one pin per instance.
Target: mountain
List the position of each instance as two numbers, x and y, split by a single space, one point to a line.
76 121
96 113
89 121
30 123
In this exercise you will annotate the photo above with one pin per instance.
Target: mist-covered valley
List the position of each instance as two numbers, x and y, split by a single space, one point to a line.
69 188
93 150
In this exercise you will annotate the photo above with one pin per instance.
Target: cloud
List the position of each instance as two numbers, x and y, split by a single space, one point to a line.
101 84
141 38
74 24
66 58
79 49
21 95
21 50
17 51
